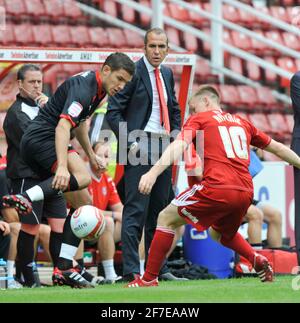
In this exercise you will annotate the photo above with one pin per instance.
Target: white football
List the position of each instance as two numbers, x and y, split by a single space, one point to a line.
88 222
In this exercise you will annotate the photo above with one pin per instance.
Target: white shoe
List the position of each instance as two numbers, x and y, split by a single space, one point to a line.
112 280
13 284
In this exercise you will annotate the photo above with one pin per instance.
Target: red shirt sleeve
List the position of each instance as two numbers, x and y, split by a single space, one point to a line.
259 139
113 193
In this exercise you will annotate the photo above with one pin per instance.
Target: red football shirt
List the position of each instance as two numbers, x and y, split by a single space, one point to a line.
103 191
226 147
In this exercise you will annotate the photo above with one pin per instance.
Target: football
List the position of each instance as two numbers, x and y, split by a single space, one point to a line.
88 223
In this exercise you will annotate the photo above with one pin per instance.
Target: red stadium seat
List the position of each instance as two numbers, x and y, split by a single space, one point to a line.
98 37
292 12
61 35
73 13
15 9
230 96
7 36
190 42
231 13
42 36
23 35
290 122
178 13
265 98
116 37
291 40
235 64
80 36
260 121
259 47
278 124
248 96
35 9
144 18
110 7
270 76
288 64
279 13
241 40
253 71
173 35
128 14
195 18
247 19
133 39
203 72
277 38
54 9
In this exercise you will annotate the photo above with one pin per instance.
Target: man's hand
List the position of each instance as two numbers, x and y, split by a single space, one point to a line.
61 178
96 163
4 227
146 182
41 100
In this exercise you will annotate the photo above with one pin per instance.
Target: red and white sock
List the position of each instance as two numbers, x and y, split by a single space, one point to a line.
241 246
159 248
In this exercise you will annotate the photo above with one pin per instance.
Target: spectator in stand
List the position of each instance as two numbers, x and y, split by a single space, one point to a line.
226 191
106 198
148 106
295 96
45 147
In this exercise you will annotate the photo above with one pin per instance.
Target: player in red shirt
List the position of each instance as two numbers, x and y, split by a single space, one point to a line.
105 197
220 201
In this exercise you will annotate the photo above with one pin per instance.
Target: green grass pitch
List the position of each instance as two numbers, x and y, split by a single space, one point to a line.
209 291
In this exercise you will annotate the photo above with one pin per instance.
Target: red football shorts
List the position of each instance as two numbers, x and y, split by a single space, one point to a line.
221 209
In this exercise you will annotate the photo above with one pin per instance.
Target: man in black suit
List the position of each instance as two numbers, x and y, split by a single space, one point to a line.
150 109
295 95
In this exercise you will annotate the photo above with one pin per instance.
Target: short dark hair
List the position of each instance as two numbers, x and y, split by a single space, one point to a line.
209 90
157 31
117 61
27 67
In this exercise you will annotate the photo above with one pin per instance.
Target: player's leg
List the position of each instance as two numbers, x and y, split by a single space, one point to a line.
274 219
168 221
254 217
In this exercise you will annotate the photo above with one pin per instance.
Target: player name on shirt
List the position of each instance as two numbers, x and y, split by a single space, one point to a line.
226 117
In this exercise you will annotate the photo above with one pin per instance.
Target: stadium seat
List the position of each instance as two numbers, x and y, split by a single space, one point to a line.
278 124
231 13
110 7
178 13
15 9
128 14
235 64
248 97
259 47
72 69
291 41
173 36
23 35
145 19
260 121
244 115
230 96
80 36
54 9
277 38
253 71
241 40
73 13
288 64
279 12
270 76
61 35
98 37
203 72
246 18
7 36
42 36
266 99
36 10
195 18
116 38
133 39
190 42
292 12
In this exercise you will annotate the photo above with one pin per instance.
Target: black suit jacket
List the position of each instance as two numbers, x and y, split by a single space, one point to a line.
134 103
295 96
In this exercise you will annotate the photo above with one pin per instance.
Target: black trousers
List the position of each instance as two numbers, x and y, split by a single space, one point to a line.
296 148
141 211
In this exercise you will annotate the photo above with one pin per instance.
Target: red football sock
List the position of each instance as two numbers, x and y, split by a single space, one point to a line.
159 248
241 246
